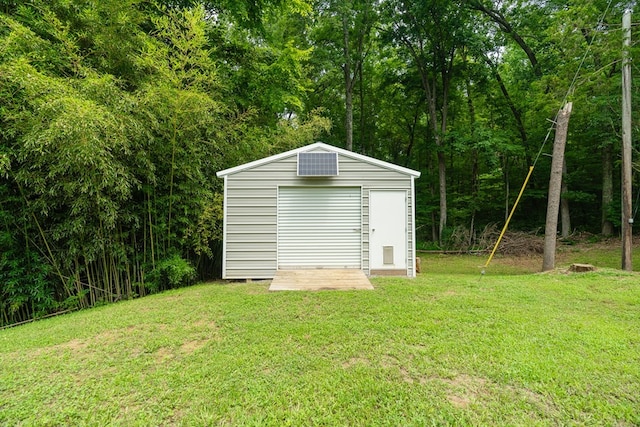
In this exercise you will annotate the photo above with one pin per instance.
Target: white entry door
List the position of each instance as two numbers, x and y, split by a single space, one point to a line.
388 230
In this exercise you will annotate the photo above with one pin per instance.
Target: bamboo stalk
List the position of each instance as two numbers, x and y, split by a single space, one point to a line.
76 274
105 269
46 242
116 277
33 319
173 156
92 292
153 257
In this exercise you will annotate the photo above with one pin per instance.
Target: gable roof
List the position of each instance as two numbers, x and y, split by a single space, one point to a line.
314 146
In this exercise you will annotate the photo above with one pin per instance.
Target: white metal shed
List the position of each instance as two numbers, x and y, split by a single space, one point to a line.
318 206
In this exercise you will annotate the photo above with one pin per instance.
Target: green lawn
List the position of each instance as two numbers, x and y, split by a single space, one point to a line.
449 348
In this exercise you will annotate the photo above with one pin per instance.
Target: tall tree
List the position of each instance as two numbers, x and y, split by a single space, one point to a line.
344 29
431 32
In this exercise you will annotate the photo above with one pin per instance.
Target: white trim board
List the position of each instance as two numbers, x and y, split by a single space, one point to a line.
313 146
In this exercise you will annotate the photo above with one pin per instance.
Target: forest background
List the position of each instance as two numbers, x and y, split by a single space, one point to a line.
116 114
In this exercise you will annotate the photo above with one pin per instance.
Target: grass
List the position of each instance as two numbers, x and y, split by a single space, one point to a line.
448 348
602 254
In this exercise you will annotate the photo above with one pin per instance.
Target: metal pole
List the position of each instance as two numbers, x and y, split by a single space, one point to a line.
627 214
506 224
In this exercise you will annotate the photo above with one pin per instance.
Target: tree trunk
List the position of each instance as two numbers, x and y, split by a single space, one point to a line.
517 116
627 149
432 110
497 17
411 131
507 188
363 138
438 122
349 117
555 184
434 227
442 180
607 189
564 204
474 161
348 86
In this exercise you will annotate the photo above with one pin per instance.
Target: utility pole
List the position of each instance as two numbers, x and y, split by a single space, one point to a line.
627 215
555 186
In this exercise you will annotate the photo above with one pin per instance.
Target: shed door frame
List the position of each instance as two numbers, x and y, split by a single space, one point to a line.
337 210
388 245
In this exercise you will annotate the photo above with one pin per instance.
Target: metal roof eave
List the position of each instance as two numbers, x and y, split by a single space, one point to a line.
315 145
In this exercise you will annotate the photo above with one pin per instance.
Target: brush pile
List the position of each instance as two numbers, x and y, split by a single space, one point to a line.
514 243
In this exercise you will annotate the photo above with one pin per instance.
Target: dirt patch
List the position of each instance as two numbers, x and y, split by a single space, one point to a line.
176 416
458 401
390 362
74 345
544 404
206 324
464 389
466 381
355 361
163 354
406 376
191 346
112 335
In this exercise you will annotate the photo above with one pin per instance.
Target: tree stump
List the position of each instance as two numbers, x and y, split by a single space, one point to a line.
581 268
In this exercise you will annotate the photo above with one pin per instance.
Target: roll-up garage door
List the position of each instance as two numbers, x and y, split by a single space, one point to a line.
319 227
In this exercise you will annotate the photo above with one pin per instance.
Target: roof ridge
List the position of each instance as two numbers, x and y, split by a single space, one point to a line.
308 147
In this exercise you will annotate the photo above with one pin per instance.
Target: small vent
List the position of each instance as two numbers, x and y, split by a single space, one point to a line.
387 255
317 164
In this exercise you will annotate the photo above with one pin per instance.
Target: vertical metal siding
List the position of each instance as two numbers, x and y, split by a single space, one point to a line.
319 227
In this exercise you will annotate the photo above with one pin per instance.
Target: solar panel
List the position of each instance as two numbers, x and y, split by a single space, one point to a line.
317 164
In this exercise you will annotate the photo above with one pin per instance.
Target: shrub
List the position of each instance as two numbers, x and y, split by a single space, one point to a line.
172 272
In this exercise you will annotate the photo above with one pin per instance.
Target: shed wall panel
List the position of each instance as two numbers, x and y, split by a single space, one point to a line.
243 238
254 264
250 228
257 219
251 273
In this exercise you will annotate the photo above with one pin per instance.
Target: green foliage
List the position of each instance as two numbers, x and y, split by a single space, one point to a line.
115 119
25 286
208 228
266 72
172 272
115 116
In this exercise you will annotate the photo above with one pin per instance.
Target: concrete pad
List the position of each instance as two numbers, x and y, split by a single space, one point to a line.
319 279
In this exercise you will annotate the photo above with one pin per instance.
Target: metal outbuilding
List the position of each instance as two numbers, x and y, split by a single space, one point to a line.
318 206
